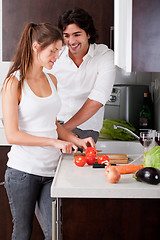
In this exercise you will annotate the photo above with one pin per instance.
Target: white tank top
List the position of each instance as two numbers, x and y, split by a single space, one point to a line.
37 116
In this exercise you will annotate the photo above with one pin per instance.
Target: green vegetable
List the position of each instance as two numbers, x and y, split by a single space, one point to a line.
152 158
108 131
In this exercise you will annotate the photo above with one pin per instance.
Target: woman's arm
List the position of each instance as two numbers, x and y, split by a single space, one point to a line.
10 101
69 136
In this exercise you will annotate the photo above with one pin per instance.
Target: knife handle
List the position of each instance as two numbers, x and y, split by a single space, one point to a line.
97 165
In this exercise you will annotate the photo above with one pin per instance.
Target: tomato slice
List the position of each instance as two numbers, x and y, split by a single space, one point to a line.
102 159
90 159
90 151
80 161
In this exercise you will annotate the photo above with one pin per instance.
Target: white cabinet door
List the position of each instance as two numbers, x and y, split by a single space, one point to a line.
123 33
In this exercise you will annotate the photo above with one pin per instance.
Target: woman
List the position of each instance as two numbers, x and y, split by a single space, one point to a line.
30 105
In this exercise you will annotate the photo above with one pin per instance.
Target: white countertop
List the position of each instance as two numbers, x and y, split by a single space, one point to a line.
87 182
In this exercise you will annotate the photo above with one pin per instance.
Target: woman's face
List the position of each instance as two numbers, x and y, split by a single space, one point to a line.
47 57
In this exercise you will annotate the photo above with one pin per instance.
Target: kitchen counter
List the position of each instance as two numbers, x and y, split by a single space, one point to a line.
87 182
86 200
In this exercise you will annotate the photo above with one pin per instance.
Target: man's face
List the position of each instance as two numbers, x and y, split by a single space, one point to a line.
76 39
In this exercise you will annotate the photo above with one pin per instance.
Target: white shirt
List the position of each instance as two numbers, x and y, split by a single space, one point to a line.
37 116
93 79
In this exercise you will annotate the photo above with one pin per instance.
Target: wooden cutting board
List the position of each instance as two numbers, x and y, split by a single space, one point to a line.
114 157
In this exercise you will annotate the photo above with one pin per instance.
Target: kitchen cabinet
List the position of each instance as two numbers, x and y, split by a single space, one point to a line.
122 219
137 35
5 214
16 14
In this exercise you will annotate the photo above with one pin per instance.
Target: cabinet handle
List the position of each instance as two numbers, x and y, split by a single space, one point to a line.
2 183
111 34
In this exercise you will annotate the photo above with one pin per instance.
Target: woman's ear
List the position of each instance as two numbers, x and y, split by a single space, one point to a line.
35 46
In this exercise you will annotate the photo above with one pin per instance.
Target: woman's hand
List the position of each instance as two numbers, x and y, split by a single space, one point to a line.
84 143
66 147
68 136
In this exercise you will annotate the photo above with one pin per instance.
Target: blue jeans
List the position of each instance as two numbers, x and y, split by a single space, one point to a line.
24 192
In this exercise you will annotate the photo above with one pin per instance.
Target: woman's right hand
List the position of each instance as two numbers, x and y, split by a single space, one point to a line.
66 147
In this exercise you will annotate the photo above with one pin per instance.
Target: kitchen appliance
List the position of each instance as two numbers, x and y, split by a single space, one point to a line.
125 103
155 93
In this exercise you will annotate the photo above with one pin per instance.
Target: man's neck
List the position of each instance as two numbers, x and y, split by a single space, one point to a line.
78 58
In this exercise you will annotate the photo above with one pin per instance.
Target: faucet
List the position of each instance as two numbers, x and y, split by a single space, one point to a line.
126 129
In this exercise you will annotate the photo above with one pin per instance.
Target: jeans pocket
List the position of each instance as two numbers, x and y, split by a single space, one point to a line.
15 175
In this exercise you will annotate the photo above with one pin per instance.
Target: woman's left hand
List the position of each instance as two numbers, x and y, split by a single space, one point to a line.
86 142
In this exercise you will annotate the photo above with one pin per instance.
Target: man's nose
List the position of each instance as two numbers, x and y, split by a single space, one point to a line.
71 40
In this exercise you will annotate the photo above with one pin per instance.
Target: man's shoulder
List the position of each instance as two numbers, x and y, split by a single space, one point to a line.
101 49
101 53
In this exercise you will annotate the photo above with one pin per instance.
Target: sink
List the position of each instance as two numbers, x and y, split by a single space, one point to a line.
127 147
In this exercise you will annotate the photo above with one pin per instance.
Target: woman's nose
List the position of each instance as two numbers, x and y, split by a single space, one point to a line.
57 55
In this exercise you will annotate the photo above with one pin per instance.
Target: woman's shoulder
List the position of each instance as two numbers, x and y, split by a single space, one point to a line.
11 88
11 82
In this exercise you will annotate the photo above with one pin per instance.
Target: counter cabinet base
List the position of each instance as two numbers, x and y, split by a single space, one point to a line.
111 219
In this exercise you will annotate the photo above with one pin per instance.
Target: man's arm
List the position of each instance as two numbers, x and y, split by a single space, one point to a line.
89 108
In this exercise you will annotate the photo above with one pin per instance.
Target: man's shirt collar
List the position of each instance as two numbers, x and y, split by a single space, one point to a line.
90 52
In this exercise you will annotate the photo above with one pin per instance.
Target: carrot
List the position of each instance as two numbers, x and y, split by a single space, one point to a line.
128 168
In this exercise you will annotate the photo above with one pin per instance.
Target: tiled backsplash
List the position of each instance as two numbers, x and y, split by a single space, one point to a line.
136 78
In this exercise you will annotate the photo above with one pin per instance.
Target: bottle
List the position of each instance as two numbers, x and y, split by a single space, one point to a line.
145 114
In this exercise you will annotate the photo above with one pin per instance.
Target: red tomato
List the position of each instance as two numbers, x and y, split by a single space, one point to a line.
102 158
90 159
79 161
91 151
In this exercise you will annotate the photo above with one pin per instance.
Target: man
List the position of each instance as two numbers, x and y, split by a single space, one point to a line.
85 74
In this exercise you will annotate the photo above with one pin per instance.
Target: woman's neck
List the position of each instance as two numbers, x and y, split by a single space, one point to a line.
35 73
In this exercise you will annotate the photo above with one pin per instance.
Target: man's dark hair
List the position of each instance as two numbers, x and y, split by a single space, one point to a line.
82 19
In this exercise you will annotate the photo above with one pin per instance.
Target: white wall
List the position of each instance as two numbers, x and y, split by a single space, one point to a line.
4 66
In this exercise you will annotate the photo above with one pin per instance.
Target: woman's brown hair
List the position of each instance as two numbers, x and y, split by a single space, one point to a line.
45 34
